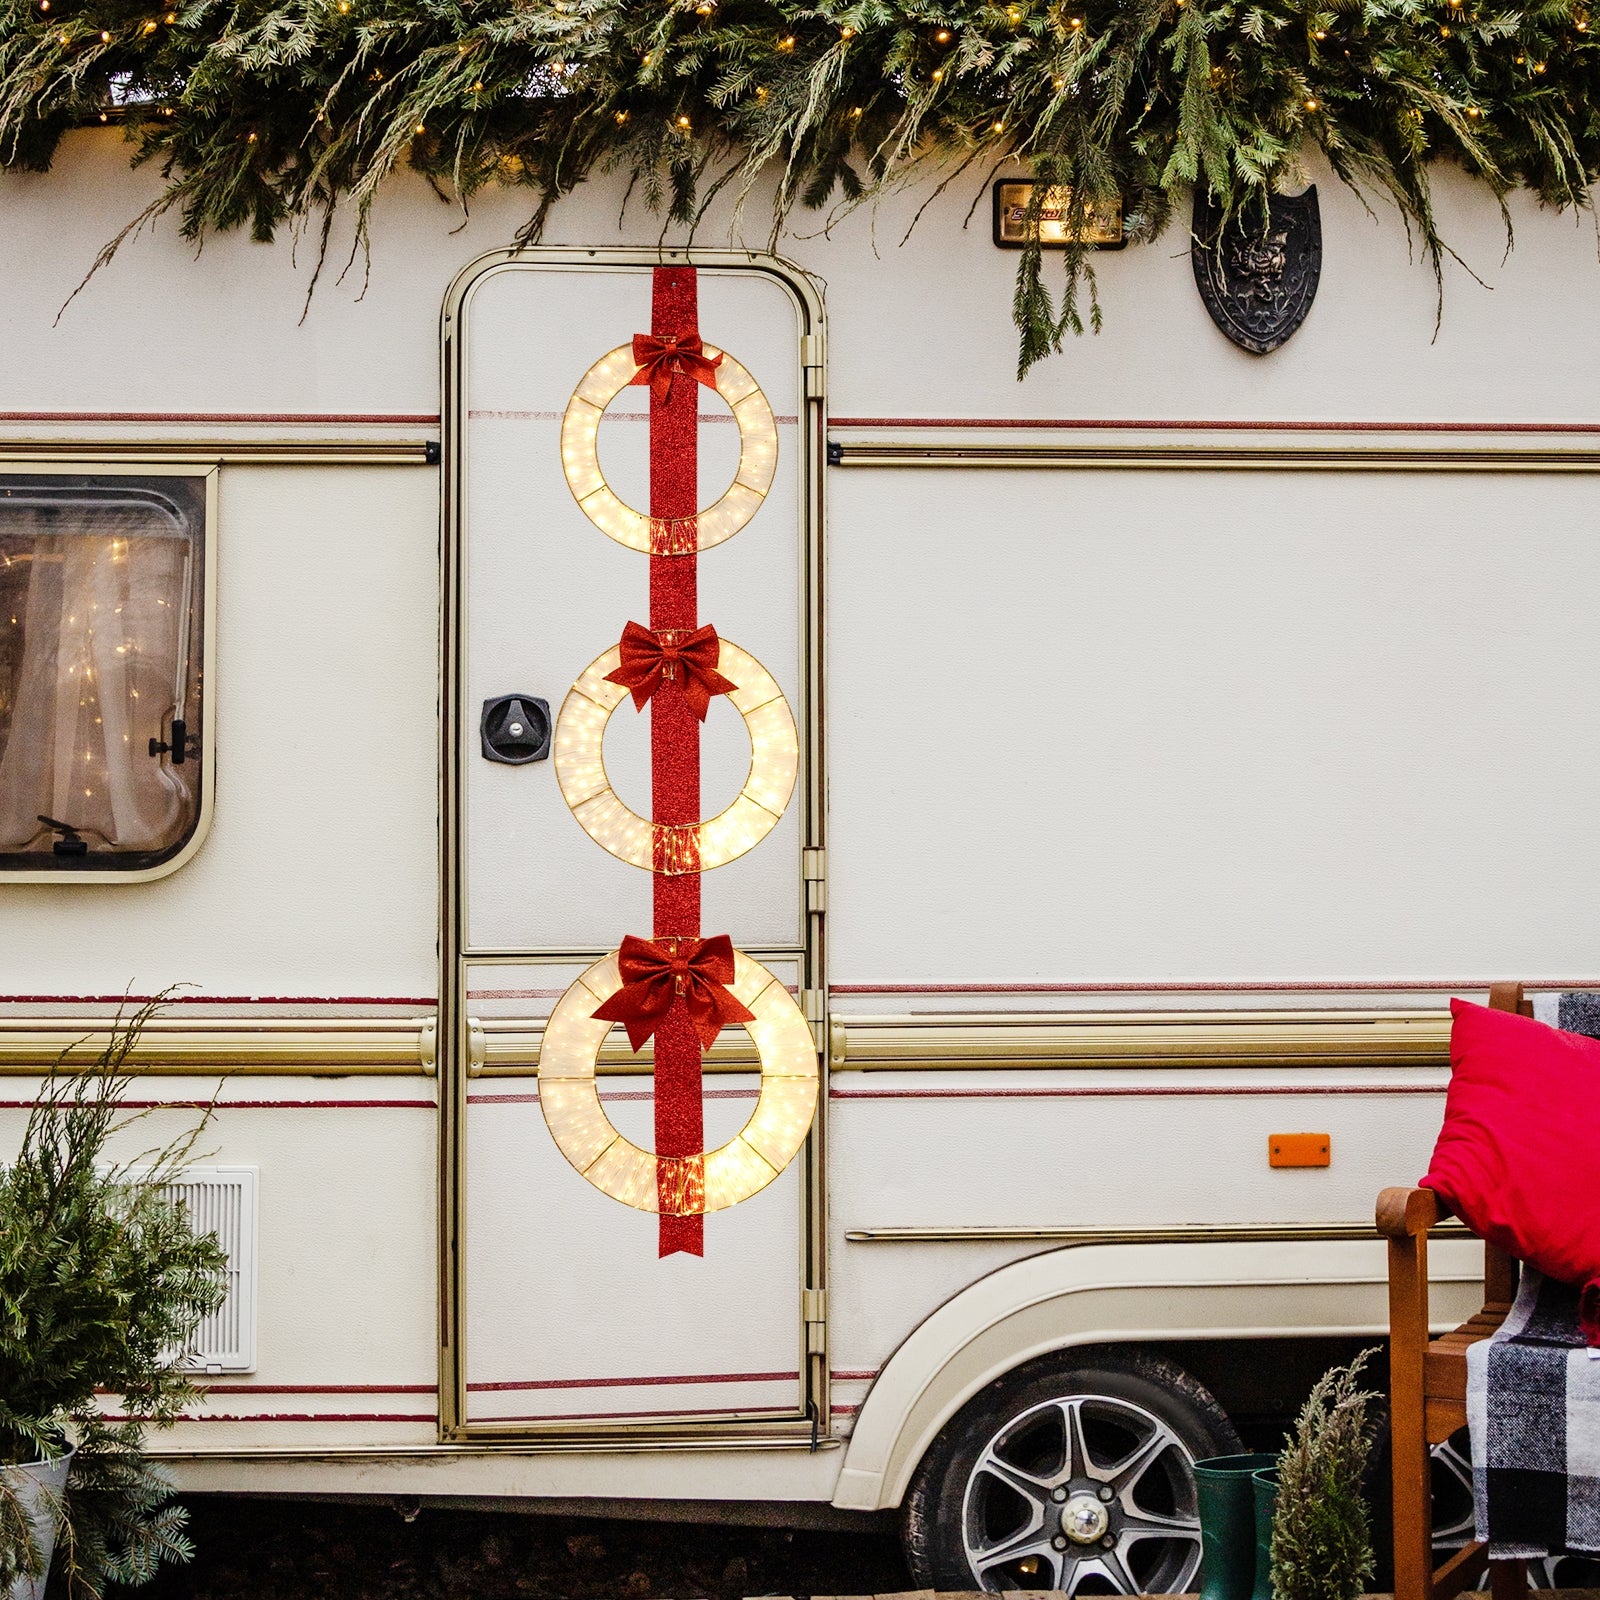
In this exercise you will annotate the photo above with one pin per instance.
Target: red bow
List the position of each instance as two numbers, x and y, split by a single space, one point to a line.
656 973
660 360
650 659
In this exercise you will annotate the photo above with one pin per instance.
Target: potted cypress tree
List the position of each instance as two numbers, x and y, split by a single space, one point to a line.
1321 1529
102 1284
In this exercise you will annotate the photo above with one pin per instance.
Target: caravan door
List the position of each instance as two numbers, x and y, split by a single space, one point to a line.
631 445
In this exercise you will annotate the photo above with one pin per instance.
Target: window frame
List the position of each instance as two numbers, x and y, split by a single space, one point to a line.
89 465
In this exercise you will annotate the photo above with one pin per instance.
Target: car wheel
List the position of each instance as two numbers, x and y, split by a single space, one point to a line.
1075 1474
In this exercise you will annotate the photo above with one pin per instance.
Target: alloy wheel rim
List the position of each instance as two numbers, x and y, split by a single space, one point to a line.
1087 1495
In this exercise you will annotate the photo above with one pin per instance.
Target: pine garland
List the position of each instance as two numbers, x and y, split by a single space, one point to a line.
267 113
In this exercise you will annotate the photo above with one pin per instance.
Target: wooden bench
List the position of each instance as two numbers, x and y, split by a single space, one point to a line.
1428 1383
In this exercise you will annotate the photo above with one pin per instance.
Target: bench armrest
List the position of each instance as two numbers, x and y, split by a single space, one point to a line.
1408 1213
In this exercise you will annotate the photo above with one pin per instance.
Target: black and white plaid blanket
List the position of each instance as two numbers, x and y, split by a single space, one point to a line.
1533 1407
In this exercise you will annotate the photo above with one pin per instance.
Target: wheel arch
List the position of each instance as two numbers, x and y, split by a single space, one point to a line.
1110 1295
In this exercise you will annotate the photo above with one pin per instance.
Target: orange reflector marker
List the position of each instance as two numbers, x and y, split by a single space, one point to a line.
1299 1149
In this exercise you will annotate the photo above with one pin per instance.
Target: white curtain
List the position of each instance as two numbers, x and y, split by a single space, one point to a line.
94 626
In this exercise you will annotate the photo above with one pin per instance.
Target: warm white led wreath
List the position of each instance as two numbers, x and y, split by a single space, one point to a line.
747 1163
667 847
580 460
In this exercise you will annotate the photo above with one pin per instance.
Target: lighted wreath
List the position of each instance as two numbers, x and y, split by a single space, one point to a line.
679 987
263 114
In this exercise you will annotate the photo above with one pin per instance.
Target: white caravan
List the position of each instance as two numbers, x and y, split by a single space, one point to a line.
1173 734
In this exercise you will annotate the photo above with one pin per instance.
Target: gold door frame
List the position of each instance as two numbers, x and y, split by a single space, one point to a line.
461 1046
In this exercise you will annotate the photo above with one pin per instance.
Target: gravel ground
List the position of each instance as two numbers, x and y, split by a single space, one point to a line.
288 1550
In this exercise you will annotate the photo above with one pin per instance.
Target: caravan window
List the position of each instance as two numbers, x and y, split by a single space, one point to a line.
102 586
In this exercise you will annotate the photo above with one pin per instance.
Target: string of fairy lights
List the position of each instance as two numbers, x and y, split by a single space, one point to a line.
839 99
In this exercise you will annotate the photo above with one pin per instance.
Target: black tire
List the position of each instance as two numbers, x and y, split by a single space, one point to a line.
937 1517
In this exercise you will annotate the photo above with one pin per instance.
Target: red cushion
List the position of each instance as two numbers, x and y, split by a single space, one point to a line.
1518 1158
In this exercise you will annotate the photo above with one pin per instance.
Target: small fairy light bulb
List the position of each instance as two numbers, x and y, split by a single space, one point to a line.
105 38
847 33
761 94
1521 60
1060 83
997 127
104 117
938 73
1538 66
420 128
1311 105
251 137
855 111
683 122
942 36
786 42
1472 111
1444 33
1075 23
705 8
1320 34
170 18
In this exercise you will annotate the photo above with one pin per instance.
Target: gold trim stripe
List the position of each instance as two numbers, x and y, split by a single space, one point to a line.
1235 458
1135 1039
252 1046
509 1047
1182 1233
356 452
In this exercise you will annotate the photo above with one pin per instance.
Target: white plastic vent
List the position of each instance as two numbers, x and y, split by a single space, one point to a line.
222 1200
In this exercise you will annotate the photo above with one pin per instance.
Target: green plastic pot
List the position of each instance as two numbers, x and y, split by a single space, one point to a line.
1226 1495
1264 1484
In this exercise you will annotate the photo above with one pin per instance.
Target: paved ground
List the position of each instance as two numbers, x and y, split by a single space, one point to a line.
274 1550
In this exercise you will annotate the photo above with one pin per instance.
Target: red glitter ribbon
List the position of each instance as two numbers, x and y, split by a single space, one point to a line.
651 659
660 360
658 974
675 732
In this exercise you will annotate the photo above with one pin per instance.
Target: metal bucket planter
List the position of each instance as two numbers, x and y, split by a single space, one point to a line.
39 1485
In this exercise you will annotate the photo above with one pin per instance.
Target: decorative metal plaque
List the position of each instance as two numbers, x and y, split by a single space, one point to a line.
1258 275
1102 223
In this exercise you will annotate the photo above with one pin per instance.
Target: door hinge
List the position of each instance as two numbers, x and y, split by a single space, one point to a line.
811 361
814 1313
814 869
428 1044
814 1008
477 1047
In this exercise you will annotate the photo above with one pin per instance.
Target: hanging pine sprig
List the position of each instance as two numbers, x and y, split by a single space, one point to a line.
266 113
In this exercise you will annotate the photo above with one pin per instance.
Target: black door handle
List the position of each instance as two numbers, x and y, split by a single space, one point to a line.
515 729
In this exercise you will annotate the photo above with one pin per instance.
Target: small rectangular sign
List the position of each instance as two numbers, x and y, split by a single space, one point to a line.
1299 1149
1101 229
